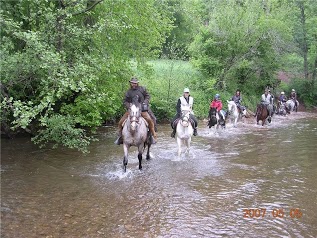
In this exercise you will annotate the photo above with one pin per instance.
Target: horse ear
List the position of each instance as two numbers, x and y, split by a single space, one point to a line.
227 101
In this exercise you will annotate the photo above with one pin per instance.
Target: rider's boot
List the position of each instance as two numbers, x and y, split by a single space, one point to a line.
195 131
119 140
153 137
174 132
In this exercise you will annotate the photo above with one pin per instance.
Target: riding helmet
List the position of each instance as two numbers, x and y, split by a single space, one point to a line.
217 96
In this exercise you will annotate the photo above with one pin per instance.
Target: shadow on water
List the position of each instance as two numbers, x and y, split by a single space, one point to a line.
63 193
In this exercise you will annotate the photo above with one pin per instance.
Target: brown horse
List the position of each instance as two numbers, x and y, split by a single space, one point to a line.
261 113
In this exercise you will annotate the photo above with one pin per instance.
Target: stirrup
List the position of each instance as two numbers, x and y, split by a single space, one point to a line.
152 140
173 134
119 141
195 132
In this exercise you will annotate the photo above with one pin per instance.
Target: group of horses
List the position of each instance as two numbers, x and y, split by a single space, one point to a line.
282 108
135 129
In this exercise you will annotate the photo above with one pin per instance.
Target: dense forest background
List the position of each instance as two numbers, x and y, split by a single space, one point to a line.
65 64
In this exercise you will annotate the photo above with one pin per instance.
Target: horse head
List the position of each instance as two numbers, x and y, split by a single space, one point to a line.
212 117
185 117
232 107
134 116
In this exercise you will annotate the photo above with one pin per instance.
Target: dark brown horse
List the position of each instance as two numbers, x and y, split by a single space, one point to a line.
215 120
261 113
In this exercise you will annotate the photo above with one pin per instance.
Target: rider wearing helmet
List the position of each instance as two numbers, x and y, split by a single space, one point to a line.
282 97
217 103
293 96
143 97
238 99
184 101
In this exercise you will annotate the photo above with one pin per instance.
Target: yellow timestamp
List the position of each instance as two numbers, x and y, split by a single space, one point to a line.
275 213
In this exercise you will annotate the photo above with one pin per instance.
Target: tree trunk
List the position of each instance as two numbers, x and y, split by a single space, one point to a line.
304 43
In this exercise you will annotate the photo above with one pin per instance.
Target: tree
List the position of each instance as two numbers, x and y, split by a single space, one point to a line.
62 62
239 44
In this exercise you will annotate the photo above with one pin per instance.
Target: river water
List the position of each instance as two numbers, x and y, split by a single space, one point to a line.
249 181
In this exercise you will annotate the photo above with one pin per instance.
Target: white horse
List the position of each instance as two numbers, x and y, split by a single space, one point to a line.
233 112
290 104
184 132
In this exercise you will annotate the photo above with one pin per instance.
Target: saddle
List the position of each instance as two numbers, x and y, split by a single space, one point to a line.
146 123
174 124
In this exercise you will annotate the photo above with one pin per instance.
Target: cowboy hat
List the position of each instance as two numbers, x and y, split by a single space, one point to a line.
134 80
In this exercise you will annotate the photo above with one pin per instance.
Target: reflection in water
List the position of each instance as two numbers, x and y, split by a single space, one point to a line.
62 193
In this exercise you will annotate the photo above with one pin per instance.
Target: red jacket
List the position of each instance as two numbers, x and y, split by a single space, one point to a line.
217 104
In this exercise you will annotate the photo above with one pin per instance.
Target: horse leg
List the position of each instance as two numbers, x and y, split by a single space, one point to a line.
140 160
125 158
263 121
235 122
148 152
179 143
188 145
140 152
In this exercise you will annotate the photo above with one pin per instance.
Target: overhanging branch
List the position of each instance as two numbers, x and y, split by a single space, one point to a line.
88 8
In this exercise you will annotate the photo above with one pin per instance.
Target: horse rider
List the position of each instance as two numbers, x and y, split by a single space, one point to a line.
217 103
238 99
184 101
293 96
143 97
282 97
267 100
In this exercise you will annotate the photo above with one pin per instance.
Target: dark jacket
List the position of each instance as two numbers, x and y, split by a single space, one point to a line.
282 98
236 99
140 94
293 96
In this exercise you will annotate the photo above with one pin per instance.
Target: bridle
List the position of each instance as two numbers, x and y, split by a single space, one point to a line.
185 118
134 115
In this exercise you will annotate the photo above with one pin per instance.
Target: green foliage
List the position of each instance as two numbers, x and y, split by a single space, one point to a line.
308 97
61 130
167 84
185 24
237 45
71 61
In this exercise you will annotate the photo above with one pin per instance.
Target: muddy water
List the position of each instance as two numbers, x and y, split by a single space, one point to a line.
209 193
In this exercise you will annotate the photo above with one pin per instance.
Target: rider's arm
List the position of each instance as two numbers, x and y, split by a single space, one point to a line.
127 100
178 106
146 96
219 106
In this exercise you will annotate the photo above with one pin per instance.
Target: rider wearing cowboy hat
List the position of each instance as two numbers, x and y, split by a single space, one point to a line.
143 97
